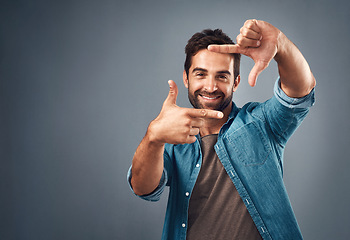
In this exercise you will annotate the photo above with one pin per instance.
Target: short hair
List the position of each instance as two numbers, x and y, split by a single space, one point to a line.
201 40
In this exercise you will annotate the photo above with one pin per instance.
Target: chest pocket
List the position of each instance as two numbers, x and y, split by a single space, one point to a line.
248 145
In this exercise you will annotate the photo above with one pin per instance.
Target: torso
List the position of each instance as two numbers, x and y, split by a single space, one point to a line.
216 211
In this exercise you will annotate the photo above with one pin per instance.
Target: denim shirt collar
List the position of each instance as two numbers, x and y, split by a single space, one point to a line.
233 113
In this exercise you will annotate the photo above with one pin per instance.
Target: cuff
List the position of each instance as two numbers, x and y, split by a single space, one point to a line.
155 195
303 102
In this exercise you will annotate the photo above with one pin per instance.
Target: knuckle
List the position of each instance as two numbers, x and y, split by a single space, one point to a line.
190 139
186 111
244 32
184 115
186 131
239 39
204 112
187 122
241 29
250 23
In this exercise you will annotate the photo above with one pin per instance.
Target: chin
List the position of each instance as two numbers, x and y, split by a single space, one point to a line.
217 108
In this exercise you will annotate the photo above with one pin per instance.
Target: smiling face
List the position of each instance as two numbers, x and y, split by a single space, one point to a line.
210 81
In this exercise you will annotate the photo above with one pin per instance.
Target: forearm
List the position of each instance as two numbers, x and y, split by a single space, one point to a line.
296 77
147 165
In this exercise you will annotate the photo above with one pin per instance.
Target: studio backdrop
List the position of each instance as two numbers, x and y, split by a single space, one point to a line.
81 80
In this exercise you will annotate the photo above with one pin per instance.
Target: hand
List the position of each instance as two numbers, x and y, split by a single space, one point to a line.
178 125
257 40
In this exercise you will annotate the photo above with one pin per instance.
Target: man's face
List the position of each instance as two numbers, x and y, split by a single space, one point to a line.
210 81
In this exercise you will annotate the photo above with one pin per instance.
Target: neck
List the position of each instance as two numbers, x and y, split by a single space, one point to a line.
211 126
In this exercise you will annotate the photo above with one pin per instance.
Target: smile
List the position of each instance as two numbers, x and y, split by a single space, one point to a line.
210 98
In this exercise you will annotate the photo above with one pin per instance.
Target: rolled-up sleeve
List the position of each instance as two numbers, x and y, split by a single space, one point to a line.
155 195
303 102
284 114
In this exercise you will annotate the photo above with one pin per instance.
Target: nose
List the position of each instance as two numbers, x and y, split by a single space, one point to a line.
210 84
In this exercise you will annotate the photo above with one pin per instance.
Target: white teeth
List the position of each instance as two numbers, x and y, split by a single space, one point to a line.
209 98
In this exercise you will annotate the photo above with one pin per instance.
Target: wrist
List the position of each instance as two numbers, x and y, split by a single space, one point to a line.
282 47
153 137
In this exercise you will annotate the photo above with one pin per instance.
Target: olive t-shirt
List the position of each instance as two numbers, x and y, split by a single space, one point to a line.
216 211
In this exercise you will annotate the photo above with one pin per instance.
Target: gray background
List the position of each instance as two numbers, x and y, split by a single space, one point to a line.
80 81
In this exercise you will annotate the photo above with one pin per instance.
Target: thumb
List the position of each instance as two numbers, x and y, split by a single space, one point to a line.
171 99
256 70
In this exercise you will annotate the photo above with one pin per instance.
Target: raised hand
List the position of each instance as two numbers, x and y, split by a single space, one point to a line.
257 40
178 125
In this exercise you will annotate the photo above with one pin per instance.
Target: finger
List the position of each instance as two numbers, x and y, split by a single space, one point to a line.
249 33
205 113
252 24
171 99
225 48
247 42
256 70
197 122
191 139
194 131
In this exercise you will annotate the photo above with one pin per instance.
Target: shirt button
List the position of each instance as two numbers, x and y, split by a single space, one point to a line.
197 165
183 225
187 194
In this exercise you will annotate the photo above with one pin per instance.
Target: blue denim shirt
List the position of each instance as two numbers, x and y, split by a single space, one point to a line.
250 146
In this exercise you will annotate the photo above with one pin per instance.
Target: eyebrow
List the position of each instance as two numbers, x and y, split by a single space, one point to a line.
205 70
199 69
224 72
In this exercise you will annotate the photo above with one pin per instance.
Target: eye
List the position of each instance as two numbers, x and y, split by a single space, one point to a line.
199 74
222 77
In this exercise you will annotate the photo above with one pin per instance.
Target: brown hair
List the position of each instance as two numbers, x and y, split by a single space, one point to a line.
201 40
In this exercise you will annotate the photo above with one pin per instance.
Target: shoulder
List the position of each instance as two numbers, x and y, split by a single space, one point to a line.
251 111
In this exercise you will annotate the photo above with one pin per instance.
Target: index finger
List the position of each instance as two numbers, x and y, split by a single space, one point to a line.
205 113
225 48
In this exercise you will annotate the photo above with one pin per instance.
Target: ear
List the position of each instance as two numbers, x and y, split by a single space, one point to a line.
185 79
236 83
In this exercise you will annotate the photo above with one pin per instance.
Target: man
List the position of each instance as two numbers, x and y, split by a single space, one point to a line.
223 163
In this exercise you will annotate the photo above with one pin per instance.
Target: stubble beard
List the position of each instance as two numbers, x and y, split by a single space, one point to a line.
194 100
